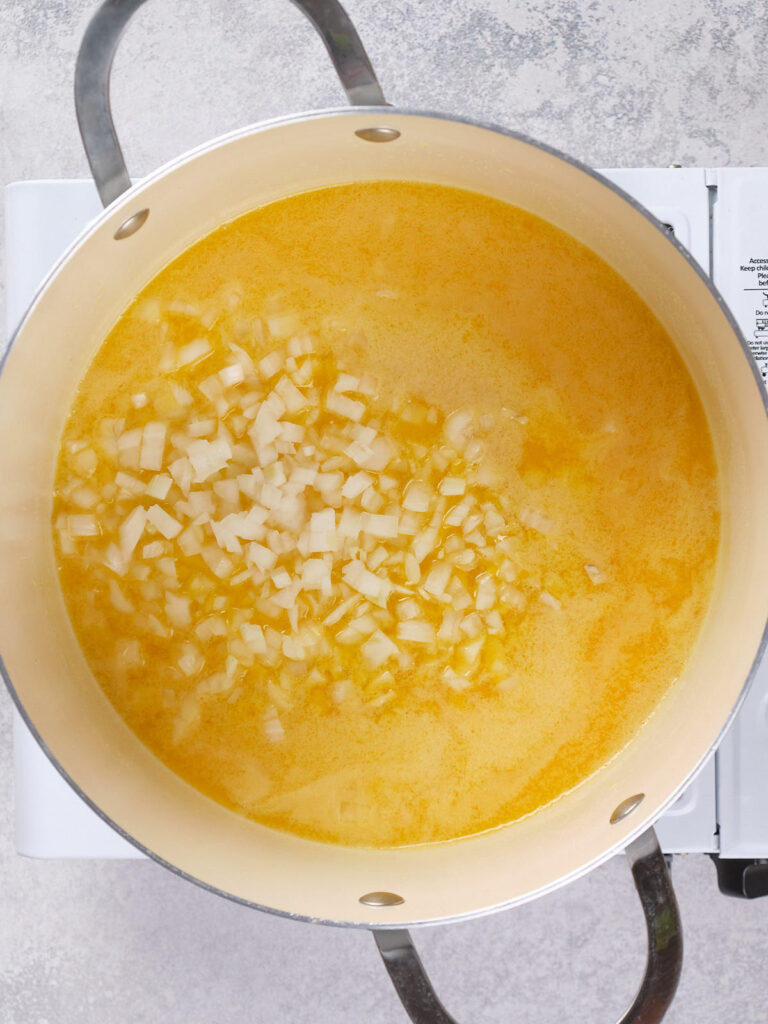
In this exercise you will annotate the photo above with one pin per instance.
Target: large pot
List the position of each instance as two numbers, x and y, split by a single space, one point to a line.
144 227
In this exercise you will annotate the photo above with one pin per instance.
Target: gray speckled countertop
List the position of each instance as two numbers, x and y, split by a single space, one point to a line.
615 82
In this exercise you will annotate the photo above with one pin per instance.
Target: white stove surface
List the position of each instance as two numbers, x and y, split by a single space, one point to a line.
721 216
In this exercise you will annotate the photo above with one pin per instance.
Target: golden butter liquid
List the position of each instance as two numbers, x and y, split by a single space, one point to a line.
463 302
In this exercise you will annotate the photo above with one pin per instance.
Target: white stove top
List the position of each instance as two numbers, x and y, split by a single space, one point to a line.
721 216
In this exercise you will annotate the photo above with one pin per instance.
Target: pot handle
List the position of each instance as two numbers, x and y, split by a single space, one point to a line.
665 947
94 65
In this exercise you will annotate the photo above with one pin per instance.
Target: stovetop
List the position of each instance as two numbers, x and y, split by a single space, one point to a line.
721 217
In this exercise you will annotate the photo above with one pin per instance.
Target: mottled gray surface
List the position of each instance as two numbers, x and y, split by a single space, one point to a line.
612 81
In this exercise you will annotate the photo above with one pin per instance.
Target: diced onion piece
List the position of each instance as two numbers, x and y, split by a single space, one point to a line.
412 569
300 345
83 526
355 485
208 457
281 578
270 365
408 608
325 520
341 690
187 718
594 574
201 428
290 394
232 374
416 631
316 575
265 427
304 475
533 519
341 610
119 601
418 496
450 627
471 625
437 580
494 622
380 525
283 325
191 661
349 408
494 523
253 637
152 550
485 598
182 473
193 352
511 597
454 680
382 452
345 382
153 445
177 610
260 556
273 727
219 563
294 433
114 560
371 500
350 523
85 462
378 649
377 558
131 530
180 394
159 486
293 648
549 599
226 537
451 485
164 523
359 453
458 429
375 588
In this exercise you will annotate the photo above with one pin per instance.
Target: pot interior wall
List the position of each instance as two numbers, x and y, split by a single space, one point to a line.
44 662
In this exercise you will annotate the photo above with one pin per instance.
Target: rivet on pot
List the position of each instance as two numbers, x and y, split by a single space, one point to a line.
381 899
378 134
626 807
131 226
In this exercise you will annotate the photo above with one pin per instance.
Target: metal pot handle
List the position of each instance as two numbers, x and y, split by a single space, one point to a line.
94 64
665 947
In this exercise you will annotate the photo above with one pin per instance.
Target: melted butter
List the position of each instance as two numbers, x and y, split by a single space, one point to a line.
463 302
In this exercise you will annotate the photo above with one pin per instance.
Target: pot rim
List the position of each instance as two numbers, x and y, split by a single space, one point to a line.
380 115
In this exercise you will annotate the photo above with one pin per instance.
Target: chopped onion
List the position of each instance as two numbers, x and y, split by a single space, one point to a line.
416 631
318 519
165 524
380 525
452 485
208 458
355 485
378 649
131 530
84 526
193 352
350 408
454 680
153 445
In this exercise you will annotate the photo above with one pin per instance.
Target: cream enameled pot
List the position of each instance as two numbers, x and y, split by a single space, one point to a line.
145 226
